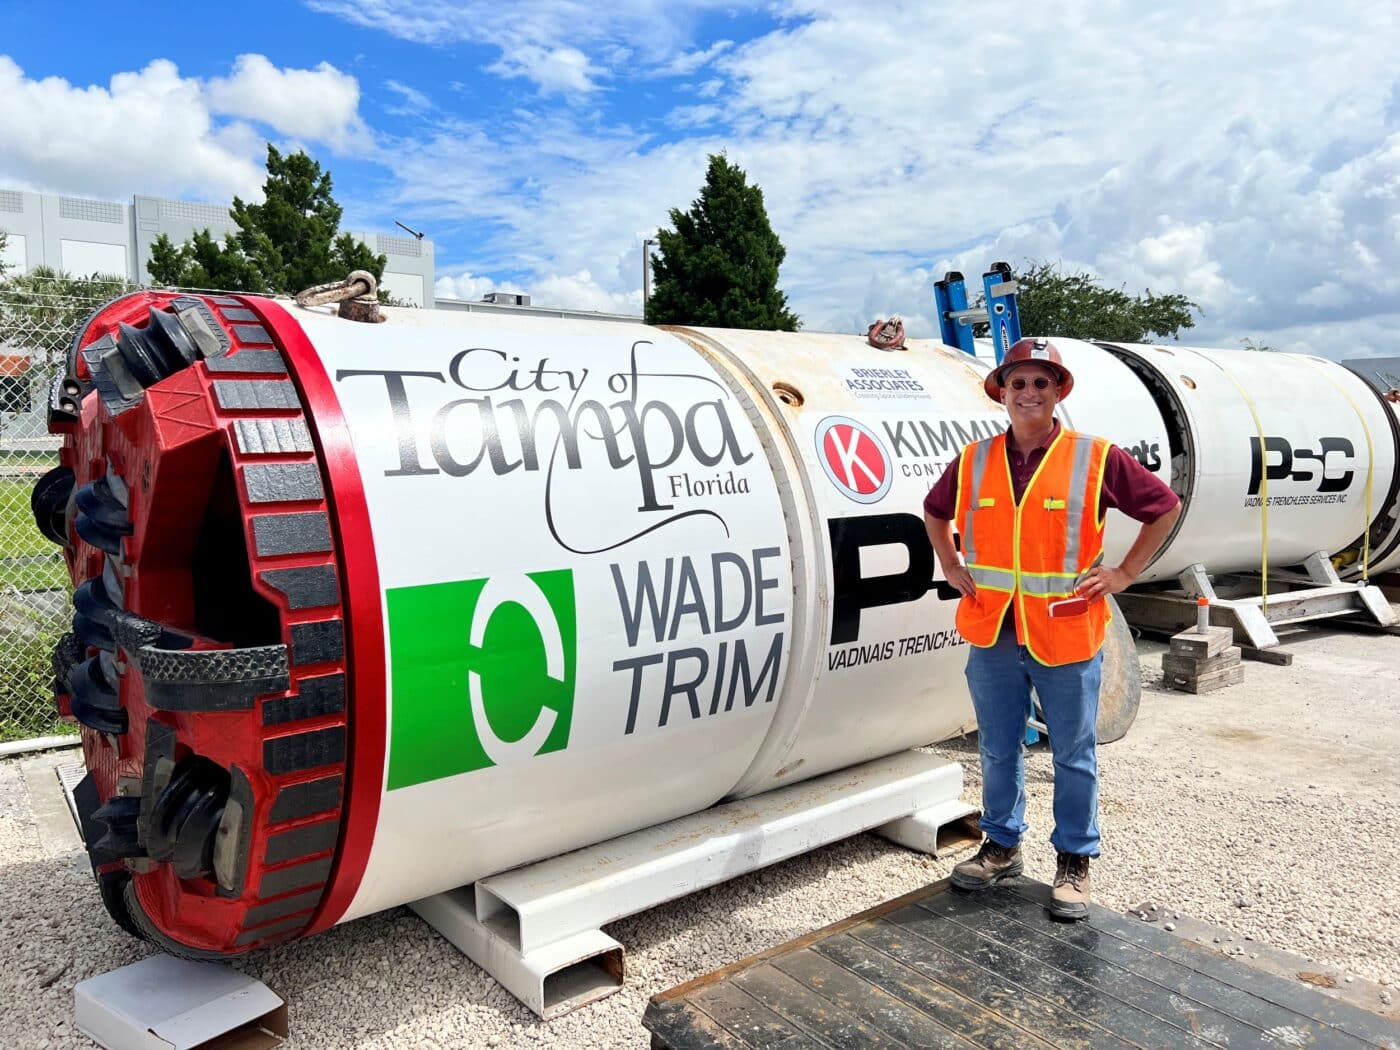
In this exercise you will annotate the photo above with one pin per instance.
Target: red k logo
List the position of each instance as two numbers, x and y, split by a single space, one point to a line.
853 459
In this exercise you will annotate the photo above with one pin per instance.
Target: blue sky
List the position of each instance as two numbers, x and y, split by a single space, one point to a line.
1246 154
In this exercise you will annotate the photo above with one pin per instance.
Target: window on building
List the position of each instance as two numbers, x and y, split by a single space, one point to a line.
85 258
16 255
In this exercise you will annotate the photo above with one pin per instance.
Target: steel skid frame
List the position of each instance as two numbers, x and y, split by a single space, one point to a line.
537 929
1238 601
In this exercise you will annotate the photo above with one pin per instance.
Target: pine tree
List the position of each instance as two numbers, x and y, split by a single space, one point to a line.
718 267
289 242
202 263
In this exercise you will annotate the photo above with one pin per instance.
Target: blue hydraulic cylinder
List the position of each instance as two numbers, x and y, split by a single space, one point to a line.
954 318
1002 313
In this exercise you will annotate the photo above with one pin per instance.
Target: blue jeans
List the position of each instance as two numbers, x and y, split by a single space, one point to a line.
1000 678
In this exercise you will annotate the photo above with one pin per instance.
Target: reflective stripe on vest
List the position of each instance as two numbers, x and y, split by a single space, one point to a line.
1078 478
979 470
1047 584
996 579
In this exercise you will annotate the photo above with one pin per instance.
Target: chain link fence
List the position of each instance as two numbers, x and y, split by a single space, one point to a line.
38 315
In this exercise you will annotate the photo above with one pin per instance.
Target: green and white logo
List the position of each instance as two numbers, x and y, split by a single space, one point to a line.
483 673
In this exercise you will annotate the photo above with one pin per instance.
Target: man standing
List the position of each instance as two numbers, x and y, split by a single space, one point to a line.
1030 507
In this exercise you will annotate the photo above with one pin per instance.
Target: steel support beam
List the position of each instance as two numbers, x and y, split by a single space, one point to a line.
536 929
1293 598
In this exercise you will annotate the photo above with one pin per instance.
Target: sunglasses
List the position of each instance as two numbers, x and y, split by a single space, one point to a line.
1020 384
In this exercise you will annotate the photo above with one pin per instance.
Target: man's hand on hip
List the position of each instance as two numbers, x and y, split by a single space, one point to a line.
1103 580
959 577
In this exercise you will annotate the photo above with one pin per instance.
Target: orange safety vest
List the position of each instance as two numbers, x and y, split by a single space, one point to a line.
1028 555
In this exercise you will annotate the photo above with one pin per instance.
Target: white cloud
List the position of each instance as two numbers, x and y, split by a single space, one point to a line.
577 291
1246 154
1326 294
1339 340
559 45
1180 151
555 70
472 289
688 62
693 116
467 172
1179 259
1184 151
413 101
890 286
318 105
145 132
154 131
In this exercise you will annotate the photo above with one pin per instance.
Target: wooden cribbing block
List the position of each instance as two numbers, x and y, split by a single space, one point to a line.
1226 676
1176 663
1203 676
1193 643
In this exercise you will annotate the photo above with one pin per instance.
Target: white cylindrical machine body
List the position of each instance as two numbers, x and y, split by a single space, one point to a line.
863 434
736 589
586 571
422 601
1303 431
730 589
1381 553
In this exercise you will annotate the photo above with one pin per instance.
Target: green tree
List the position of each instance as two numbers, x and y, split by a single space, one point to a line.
202 263
289 242
719 265
4 243
1249 344
1054 302
39 310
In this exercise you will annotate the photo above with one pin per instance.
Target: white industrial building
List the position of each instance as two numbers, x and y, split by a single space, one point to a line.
82 237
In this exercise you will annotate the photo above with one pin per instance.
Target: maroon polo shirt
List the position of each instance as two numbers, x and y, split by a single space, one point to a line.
1127 484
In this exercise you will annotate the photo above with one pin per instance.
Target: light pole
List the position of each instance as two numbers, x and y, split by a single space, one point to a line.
646 270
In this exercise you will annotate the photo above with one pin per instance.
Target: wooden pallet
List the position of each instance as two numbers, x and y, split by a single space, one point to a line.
937 968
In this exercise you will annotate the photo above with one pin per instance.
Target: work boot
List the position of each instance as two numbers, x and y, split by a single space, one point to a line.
1069 899
992 864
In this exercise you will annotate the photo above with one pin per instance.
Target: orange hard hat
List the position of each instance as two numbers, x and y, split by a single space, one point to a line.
1029 351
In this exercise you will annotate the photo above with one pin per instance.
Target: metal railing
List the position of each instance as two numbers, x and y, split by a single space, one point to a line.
38 316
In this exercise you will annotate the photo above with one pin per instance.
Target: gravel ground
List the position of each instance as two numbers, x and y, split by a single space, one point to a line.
1269 808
